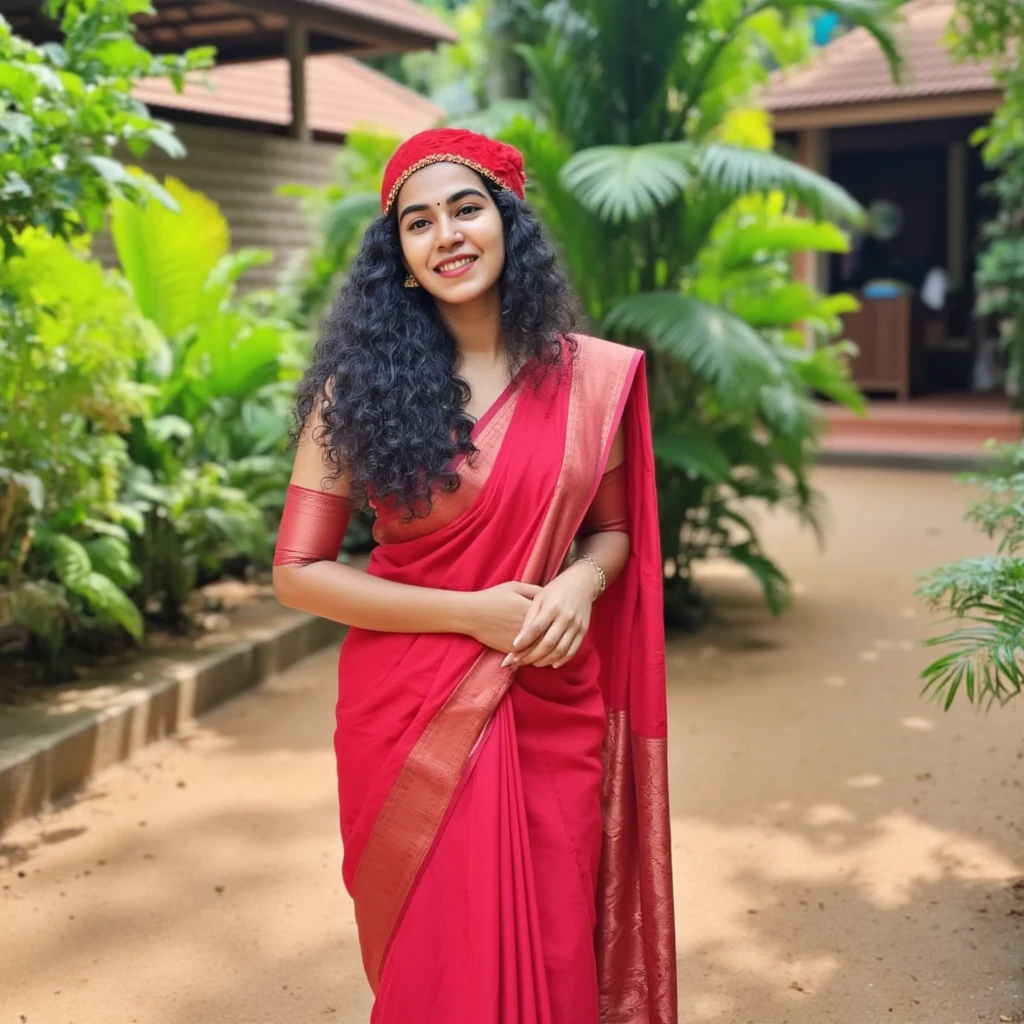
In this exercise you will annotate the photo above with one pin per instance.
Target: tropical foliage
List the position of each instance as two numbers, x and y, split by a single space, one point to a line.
71 335
986 595
66 110
994 31
143 414
679 223
209 466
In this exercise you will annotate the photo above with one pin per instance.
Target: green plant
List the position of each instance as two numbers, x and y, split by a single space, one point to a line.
994 31
209 460
70 336
65 110
986 595
641 157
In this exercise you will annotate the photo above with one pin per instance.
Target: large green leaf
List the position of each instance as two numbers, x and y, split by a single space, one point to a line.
696 454
112 557
106 599
777 589
781 233
826 370
629 182
777 307
69 559
715 345
735 171
230 358
168 256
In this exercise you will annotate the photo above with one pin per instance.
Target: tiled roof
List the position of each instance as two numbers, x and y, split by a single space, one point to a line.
401 13
341 94
854 70
255 29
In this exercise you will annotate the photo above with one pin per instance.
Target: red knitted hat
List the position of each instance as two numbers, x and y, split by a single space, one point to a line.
501 163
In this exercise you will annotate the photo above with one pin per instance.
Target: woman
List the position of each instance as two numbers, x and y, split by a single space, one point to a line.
500 730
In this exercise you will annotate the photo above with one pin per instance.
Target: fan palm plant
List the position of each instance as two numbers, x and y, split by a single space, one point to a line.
640 162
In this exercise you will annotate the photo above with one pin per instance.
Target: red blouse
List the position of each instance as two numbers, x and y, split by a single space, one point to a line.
314 523
312 527
609 511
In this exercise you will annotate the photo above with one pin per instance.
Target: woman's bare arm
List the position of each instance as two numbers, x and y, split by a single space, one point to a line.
349 595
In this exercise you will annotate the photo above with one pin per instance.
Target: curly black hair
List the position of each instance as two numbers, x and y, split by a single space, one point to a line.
385 367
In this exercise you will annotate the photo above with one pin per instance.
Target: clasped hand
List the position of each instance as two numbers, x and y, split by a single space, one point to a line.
540 626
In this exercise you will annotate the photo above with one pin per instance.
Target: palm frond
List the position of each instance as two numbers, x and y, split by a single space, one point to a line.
826 371
777 588
735 171
714 345
970 583
782 233
629 182
983 659
698 455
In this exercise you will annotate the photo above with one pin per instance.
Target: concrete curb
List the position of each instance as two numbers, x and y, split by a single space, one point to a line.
50 749
909 460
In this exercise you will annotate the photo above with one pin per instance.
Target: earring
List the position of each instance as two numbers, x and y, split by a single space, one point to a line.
411 282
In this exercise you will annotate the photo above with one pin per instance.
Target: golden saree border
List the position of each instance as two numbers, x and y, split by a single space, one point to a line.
412 816
636 957
414 809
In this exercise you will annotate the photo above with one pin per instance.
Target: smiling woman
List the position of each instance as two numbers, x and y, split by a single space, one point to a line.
444 239
501 764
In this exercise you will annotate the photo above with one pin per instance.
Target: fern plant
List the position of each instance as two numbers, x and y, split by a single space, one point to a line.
986 596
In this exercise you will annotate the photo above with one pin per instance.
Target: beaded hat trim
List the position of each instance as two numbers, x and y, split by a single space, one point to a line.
436 158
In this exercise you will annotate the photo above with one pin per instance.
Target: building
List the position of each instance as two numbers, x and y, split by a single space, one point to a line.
904 151
240 149
287 90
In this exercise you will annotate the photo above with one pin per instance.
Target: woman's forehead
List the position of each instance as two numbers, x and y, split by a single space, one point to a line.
435 183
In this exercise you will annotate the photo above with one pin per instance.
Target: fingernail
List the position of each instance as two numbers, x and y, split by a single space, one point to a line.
515 643
507 661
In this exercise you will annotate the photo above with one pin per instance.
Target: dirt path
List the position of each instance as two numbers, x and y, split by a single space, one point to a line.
845 852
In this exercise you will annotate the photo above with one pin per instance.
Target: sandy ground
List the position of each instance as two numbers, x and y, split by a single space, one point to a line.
845 851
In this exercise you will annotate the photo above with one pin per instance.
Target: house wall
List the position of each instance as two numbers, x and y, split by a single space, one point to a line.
240 170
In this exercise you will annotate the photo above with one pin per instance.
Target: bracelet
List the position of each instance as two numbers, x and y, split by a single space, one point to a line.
600 571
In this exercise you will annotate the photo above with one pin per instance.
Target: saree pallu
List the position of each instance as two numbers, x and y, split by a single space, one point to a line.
506 832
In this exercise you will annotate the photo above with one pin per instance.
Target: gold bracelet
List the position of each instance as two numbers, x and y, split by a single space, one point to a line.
600 571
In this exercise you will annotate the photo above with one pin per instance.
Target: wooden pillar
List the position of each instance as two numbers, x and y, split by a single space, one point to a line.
956 258
298 47
812 151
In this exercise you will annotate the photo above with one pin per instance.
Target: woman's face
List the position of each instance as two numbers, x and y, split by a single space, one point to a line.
452 237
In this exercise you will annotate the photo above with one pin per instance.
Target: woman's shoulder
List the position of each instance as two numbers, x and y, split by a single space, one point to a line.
599 355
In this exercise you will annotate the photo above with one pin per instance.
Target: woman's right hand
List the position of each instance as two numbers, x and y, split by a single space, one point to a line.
497 614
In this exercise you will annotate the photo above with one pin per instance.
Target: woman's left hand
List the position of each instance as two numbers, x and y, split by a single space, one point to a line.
558 619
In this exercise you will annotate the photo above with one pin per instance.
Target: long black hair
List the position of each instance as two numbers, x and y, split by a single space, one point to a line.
386 367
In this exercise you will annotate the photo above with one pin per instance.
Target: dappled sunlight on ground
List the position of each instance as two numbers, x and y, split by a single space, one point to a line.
845 851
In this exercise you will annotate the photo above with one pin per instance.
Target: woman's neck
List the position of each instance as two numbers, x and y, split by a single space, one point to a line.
476 328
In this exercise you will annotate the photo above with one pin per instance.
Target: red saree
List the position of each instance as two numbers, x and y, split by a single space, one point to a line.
507 832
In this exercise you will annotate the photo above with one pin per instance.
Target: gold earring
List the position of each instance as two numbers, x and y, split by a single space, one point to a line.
411 282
